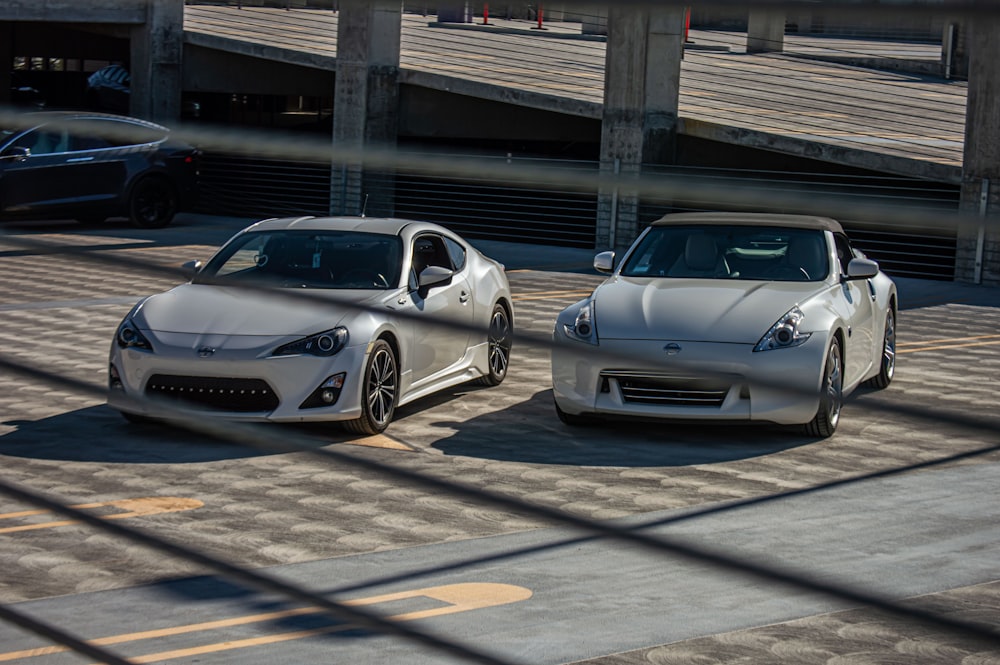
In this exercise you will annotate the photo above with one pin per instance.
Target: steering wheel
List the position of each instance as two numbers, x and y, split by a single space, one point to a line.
364 276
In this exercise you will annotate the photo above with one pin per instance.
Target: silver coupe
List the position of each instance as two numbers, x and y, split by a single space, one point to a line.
315 319
728 317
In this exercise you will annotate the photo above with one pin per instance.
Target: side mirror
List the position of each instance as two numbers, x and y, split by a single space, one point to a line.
16 154
861 269
192 267
605 262
432 276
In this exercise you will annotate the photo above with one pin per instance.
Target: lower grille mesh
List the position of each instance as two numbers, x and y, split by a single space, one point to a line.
670 391
221 394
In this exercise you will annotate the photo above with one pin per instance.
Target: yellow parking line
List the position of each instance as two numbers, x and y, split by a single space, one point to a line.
948 340
456 598
381 441
947 346
549 295
153 505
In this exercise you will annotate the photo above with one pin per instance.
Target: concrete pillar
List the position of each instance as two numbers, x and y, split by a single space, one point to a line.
955 49
156 49
7 58
454 12
594 20
978 259
765 30
365 103
641 91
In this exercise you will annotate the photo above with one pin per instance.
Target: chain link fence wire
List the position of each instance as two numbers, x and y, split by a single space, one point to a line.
524 200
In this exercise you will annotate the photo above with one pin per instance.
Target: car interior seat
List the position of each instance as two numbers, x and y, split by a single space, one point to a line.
701 258
805 256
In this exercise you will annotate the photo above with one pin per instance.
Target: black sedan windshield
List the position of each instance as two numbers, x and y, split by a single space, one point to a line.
308 259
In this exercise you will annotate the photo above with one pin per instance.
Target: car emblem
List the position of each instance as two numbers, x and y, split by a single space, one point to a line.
205 351
672 349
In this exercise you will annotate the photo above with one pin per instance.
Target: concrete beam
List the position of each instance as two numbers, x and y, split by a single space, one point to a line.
208 70
765 30
978 256
824 152
73 11
500 93
262 51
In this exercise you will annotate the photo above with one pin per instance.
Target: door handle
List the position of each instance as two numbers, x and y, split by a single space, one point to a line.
464 297
79 159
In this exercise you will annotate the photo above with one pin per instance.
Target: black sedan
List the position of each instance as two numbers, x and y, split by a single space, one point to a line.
91 166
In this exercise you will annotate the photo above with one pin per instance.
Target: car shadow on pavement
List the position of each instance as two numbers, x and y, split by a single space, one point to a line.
100 434
530 432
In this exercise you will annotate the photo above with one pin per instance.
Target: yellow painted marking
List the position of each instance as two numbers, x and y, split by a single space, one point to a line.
457 598
950 343
545 295
153 505
381 441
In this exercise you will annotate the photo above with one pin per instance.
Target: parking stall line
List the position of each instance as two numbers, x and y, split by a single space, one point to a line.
455 598
133 508
944 344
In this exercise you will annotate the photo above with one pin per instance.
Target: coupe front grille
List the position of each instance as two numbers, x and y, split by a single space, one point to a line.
669 390
220 394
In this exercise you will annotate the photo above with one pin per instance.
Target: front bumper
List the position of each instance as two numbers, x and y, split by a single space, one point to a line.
289 380
703 381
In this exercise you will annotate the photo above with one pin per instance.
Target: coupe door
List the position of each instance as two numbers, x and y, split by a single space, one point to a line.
860 316
435 345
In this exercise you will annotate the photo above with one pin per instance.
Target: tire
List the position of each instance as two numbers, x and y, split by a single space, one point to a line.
379 391
824 423
152 203
887 364
499 340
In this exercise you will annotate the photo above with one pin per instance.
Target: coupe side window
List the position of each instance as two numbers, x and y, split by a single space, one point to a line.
456 252
844 251
44 142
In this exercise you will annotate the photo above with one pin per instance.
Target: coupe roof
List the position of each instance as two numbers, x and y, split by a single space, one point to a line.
383 225
750 219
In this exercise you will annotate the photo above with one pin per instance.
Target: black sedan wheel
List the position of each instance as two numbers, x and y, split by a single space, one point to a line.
152 204
887 367
824 423
499 341
379 389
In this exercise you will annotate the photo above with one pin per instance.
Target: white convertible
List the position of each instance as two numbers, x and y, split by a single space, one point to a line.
306 319
728 317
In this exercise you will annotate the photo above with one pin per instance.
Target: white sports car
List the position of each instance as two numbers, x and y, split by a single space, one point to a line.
728 316
309 319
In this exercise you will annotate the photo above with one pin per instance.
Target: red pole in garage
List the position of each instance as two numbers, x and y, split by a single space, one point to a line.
486 13
539 26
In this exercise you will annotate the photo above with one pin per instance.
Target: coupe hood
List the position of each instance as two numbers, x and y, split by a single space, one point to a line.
729 311
202 309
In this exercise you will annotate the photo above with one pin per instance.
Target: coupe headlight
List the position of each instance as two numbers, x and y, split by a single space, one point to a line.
321 344
784 333
129 336
583 328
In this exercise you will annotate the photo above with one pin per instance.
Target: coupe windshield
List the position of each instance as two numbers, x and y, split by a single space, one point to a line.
308 259
730 252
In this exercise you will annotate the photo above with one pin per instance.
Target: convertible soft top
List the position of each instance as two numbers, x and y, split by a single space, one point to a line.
751 219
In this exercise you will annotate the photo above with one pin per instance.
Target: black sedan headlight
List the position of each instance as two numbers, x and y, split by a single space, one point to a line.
583 328
785 332
130 337
323 344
